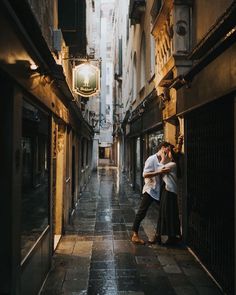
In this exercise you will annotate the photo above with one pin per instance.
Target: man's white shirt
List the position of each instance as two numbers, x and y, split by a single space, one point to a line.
152 185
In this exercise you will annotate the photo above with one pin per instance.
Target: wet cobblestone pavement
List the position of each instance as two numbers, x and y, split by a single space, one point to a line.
96 256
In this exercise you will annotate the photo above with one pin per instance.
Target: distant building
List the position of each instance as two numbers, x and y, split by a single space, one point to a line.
106 53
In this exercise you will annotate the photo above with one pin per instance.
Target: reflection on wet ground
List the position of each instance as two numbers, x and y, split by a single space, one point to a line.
95 256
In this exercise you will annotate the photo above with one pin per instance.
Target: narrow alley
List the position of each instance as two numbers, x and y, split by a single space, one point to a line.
96 256
118 147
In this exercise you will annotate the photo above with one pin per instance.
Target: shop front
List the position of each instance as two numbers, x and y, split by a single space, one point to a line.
145 134
40 145
35 193
210 195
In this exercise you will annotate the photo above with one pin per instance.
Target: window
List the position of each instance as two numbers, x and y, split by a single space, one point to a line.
68 153
143 62
137 162
152 59
82 152
127 28
35 184
120 57
108 108
134 79
73 173
87 153
108 46
154 139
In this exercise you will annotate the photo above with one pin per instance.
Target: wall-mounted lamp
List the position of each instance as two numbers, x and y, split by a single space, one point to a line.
36 71
34 67
186 82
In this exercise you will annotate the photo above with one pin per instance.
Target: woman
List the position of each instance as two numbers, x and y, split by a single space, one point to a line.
168 221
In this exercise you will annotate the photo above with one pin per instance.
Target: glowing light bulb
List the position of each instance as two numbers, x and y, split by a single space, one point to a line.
33 67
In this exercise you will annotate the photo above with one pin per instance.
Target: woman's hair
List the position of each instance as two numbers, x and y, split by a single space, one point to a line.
163 143
175 157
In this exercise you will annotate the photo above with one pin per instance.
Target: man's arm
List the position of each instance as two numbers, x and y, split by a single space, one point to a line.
155 173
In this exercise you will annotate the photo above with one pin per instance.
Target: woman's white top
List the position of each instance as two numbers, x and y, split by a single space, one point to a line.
170 178
152 185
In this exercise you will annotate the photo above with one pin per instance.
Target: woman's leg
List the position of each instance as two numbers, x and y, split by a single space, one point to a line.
168 222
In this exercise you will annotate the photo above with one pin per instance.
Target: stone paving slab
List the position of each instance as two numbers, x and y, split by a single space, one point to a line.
96 256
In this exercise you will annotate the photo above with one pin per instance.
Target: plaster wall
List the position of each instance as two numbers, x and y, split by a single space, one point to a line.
205 14
214 81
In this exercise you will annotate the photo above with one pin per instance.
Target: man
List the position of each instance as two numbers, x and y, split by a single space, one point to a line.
151 188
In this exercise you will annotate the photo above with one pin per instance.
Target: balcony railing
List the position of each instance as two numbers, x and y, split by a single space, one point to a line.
136 9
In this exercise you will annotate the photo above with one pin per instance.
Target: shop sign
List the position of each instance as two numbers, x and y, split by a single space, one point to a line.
86 80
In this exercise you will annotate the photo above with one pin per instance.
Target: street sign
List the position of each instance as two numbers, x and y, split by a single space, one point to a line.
86 79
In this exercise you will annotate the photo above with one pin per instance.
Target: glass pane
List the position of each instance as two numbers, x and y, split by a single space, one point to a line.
154 139
35 204
138 163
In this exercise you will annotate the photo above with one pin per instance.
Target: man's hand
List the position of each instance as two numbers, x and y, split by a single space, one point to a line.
157 172
165 170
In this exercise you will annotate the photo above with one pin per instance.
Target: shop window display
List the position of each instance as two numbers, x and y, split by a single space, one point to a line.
138 163
154 139
35 184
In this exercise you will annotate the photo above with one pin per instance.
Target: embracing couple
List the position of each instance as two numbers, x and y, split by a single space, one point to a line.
160 185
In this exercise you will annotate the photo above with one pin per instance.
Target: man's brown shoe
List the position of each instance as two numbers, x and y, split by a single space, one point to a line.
156 239
136 240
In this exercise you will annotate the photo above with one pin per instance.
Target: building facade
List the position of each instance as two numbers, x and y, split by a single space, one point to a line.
46 142
206 102
92 105
138 128
175 75
106 54
194 51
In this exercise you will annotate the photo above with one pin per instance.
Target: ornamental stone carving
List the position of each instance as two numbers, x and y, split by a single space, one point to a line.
172 34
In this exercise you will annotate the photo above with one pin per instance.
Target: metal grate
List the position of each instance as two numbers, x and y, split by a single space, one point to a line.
210 188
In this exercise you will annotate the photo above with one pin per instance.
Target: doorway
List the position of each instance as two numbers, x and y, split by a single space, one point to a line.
210 195
58 180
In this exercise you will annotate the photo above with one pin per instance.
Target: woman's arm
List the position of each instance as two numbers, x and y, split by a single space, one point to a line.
179 144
